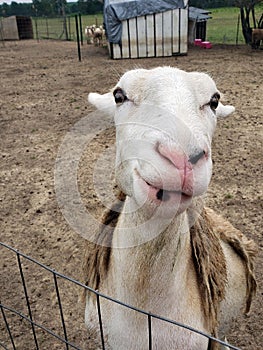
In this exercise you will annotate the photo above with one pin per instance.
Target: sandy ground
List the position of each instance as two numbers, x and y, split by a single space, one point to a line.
43 94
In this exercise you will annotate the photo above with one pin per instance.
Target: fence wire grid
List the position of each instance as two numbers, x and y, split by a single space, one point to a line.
47 325
220 29
44 28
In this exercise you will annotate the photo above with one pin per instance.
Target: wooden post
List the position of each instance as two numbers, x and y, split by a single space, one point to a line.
80 27
238 22
2 32
47 28
36 29
69 27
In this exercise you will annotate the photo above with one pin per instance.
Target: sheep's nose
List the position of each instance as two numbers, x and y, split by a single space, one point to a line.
178 158
194 158
175 156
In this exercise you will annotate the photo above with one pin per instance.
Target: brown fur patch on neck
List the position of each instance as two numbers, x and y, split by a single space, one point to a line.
210 266
246 249
98 254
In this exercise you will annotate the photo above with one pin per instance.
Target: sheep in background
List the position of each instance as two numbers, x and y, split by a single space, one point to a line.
98 35
94 34
89 34
257 36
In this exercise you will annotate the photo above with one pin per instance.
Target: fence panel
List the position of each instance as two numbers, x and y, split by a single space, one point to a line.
61 28
58 28
48 315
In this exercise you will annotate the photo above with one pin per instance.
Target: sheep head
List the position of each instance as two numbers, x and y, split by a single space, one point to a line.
165 119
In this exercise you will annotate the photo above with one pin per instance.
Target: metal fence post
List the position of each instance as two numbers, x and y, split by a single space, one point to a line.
77 31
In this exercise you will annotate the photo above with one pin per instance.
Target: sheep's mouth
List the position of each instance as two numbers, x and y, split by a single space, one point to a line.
164 195
158 194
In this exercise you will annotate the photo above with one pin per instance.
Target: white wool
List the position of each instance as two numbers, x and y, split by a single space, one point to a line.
165 119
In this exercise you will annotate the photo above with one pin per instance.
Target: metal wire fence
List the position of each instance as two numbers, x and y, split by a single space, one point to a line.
58 28
42 28
62 28
224 27
42 324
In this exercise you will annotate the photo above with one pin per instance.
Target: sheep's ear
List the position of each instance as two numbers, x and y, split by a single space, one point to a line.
223 111
104 102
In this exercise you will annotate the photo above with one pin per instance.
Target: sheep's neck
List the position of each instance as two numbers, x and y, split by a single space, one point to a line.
150 268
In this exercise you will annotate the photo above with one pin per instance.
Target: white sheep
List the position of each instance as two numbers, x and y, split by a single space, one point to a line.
89 33
161 250
98 35
94 34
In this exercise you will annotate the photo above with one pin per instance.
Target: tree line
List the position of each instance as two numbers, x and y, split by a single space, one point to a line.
51 8
209 4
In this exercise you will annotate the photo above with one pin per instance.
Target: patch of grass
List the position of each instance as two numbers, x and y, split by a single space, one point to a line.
223 27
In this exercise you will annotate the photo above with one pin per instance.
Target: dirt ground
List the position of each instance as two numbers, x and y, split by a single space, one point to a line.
43 93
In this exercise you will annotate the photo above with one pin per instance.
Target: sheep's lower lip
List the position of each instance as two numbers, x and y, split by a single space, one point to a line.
158 195
165 195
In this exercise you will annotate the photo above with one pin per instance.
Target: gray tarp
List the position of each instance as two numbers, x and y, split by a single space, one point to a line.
198 15
116 11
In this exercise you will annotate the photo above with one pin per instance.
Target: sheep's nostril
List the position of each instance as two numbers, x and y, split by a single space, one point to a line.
195 158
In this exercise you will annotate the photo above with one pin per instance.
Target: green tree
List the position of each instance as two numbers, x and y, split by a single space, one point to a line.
46 7
211 3
90 6
60 7
5 10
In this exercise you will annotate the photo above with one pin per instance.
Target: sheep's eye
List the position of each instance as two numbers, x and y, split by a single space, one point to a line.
119 96
214 101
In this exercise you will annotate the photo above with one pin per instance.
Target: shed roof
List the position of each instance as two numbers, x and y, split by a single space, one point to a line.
198 15
116 11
